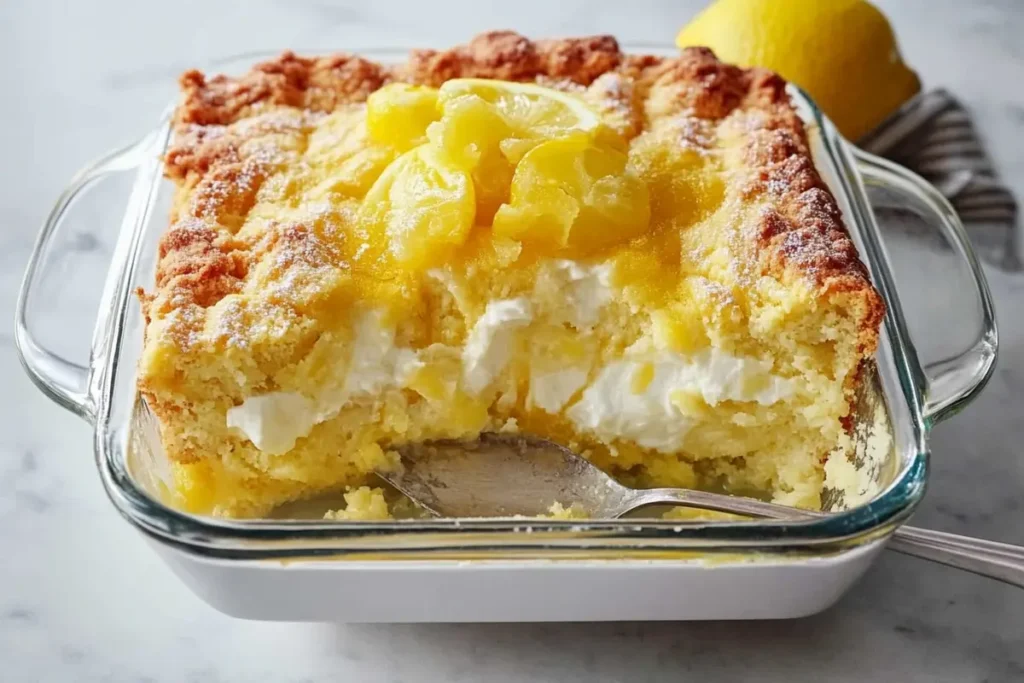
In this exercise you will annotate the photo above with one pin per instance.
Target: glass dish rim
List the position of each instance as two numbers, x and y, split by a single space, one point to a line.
500 538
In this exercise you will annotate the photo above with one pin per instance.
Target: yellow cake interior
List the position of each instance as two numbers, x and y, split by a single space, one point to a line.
488 255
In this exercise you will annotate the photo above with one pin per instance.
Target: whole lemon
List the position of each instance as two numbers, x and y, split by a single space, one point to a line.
842 52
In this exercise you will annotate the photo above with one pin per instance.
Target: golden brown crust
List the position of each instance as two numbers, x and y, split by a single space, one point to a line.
316 84
203 265
800 231
509 56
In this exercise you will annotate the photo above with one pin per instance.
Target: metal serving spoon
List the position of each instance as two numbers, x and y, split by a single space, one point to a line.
503 475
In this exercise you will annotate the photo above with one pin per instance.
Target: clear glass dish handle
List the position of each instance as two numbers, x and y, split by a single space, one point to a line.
65 381
950 383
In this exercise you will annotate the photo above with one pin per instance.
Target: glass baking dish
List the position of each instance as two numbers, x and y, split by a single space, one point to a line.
102 391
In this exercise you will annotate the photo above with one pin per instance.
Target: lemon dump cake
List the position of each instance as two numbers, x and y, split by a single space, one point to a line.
633 256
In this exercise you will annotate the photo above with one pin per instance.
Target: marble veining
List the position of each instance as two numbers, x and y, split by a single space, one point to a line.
82 596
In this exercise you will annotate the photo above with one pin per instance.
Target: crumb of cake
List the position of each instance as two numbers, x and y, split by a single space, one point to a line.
363 504
559 511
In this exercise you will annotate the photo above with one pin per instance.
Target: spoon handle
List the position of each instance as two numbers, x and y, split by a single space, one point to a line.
1000 561
719 502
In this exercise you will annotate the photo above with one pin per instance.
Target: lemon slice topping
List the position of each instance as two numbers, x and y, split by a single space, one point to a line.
532 111
424 204
568 192
538 165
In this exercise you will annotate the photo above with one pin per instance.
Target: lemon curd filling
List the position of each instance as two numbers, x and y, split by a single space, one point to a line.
490 255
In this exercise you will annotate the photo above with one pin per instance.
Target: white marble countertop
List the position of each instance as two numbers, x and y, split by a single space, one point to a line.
83 598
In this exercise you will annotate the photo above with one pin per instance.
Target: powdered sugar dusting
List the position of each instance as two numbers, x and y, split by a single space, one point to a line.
562 84
696 134
183 325
239 320
200 132
278 120
613 95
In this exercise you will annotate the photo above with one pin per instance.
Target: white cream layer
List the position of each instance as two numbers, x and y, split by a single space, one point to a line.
566 293
654 417
275 421
492 341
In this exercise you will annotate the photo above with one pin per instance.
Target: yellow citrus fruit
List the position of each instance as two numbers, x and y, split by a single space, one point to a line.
398 114
471 131
536 164
530 110
424 204
569 192
487 126
842 52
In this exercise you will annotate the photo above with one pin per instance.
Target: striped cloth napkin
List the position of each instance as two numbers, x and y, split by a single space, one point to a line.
932 135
